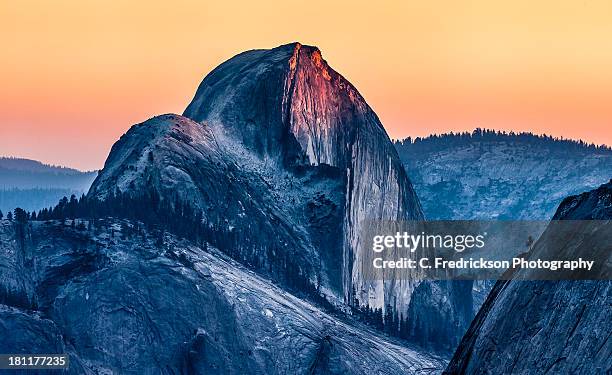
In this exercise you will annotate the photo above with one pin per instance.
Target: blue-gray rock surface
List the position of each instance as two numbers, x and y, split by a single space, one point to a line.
120 299
542 327
288 106
487 175
280 150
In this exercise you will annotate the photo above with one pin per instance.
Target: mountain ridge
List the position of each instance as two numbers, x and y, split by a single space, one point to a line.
33 185
488 134
26 173
488 174
269 177
26 164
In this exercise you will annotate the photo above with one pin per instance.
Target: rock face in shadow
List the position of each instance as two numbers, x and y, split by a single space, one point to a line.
120 299
263 214
545 326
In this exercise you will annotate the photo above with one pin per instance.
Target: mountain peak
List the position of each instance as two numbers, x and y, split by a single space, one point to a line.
295 47
313 54
285 117
271 99
286 104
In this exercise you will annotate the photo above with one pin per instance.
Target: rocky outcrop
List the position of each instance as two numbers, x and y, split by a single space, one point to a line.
181 160
282 153
120 299
288 105
545 326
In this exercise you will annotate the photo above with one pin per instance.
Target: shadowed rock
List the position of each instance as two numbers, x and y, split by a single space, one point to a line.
148 305
545 326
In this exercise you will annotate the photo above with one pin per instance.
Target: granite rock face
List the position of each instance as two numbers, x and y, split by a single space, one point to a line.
283 151
545 326
287 105
182 160
500 176
123 300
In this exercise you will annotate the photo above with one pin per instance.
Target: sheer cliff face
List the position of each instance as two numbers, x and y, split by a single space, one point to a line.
545 326
289 106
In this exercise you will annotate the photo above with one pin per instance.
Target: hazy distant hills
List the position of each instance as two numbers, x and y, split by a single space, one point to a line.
493 175
32 185
26 174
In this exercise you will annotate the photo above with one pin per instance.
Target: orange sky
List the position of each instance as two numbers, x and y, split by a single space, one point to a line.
74 75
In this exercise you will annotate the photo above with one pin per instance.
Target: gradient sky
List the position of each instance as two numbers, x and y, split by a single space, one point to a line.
75 75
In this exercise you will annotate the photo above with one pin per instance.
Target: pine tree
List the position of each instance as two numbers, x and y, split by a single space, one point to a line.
378 318
389 319
9 216
1 215
401 326
72 206
21 216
